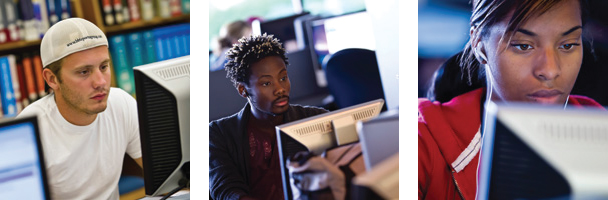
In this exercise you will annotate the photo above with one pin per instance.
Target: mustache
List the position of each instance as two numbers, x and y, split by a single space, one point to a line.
102 90
280 97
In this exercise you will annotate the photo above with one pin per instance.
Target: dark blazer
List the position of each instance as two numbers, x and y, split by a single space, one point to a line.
229 147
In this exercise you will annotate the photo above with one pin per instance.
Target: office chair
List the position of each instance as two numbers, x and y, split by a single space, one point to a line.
353 77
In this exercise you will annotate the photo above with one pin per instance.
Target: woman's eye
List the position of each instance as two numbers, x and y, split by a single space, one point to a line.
569 46
523 47
266 84
103 67
284 78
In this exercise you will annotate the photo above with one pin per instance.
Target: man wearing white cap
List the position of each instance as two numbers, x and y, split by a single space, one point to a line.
86 126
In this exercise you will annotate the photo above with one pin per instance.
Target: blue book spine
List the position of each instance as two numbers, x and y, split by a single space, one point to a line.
63 9
122 69
51 10
187 40
163 47
161 53
58 9
149 47
28 29
26 9
183 38
9 104
177 46
42 18
170 41
135 43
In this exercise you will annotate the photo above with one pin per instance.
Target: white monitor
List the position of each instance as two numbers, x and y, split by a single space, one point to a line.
379 138
538 152
332 34
22 169
163 105
321 132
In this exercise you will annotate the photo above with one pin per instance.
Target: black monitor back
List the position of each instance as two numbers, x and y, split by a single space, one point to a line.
518 172
163 114
282 28
158 118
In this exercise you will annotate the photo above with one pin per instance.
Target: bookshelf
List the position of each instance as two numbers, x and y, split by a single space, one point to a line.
155 22
91 10
18 45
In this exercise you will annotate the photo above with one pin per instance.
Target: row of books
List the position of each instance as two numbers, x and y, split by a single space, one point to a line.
143 47
21 82
123 11
29 19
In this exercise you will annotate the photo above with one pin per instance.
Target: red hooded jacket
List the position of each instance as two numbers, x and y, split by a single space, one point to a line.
449 143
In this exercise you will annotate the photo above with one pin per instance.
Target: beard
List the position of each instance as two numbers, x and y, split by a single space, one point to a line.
76 100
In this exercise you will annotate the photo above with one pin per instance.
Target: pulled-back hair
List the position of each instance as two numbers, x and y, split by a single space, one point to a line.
250 50
486 13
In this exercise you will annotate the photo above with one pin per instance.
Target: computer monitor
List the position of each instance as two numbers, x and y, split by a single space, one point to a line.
321 132
163 105
332 34
304 88
22 169
538 152
282 28
379 138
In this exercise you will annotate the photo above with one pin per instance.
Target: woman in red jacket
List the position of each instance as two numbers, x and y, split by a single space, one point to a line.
519 50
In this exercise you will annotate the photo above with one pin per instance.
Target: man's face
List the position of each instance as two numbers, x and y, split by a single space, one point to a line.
269 86
85 80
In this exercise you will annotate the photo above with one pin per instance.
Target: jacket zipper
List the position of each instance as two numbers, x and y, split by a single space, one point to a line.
457 187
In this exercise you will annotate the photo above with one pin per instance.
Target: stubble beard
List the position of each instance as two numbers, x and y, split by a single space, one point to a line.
76 102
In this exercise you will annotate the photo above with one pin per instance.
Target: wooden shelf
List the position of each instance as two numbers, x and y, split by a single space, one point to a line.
17 45
155 22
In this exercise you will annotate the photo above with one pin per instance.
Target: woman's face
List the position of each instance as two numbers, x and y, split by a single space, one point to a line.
542 60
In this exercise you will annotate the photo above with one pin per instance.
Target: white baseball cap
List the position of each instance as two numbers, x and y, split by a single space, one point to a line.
70 36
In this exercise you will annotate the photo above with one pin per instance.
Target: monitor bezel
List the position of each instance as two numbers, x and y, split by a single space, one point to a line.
379 103
34 121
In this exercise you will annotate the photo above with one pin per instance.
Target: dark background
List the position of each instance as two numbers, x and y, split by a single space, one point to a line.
443 28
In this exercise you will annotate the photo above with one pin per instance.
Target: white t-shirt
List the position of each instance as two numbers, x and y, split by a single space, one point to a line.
85 162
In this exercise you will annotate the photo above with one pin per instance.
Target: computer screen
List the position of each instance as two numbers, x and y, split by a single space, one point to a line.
321 132
539 152
163 106
332 34
22 169
282 28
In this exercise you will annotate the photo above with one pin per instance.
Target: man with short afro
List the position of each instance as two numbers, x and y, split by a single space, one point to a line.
243 153
250 50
